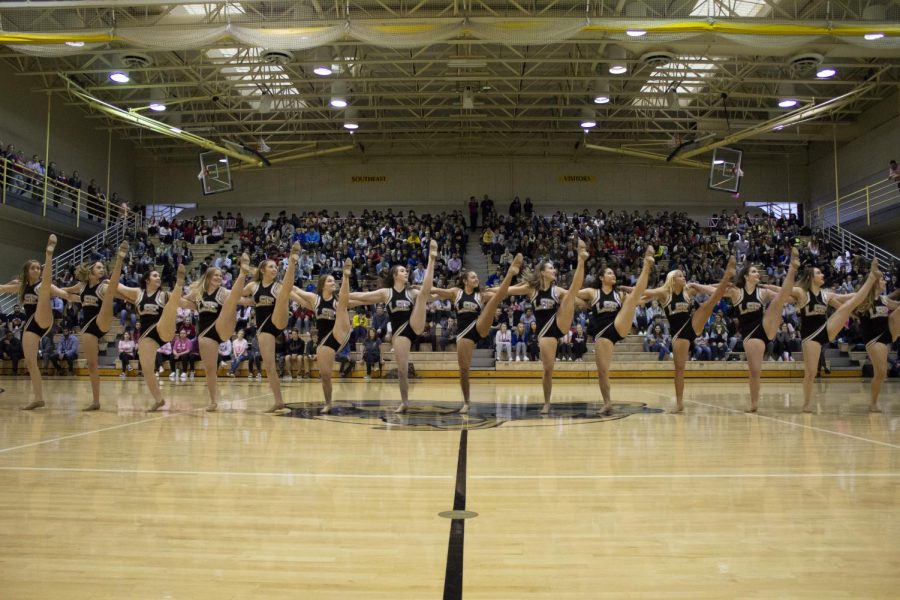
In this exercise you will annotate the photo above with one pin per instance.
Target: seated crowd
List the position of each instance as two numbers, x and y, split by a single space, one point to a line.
375 240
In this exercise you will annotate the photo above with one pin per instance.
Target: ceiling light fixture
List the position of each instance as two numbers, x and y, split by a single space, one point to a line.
617 63
75 44
338 95
601 92
588 118
350 121
826 72
119 76
635 32
873 36
786 94
322 64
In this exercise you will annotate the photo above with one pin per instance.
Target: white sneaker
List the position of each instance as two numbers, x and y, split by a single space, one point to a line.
518 359
130 368
161 370
509 359
122 375
527 359
250 376
230 374
288 378
184 377
367 377
259 376
192 376
172 376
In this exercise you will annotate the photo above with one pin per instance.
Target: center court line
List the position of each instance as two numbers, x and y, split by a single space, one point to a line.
447 477
84 433
791 423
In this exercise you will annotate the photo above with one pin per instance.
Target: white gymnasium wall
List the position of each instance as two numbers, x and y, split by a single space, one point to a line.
446 183
76 142
877 142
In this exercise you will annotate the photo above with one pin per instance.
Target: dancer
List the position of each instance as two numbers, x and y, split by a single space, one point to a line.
157 311
34 290
611 319
332 323
554 309
879 332
406 309
676 298
816 327
217 307
475 313
96 295
272 305
758 323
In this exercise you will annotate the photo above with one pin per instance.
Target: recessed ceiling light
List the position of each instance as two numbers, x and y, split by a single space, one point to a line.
635 32
826 72
158 107
787 103
873 36
119 77
75 44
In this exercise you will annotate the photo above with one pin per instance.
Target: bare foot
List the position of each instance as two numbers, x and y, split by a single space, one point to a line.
295 252
752 409
516 265
546 409
34 405
123 249
179 275
607 409
325 409
465 409
402 408
795 258
678 410
649 261
874 408
91 407
245 263
731 268
874 271
157 405
432 250
211 407
582 250
348 267
807 408
51 244
276 407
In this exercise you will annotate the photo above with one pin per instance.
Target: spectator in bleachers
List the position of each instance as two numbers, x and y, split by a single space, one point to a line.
125 348
372 353
503 342
183 354
66 350
11 350
657 341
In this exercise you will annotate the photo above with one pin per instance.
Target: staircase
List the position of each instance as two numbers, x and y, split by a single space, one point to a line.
842 240
475 260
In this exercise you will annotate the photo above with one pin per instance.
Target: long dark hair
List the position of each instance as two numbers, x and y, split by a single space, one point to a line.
387 280
740 278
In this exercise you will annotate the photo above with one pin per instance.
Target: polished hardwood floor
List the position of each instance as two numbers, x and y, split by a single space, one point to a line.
714 503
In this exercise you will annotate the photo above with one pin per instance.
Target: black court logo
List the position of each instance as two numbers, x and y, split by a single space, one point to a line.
439 416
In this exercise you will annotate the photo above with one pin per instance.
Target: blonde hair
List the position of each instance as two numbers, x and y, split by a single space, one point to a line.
873 294
198 288
83 271
24 280
258 276
534 277
669 285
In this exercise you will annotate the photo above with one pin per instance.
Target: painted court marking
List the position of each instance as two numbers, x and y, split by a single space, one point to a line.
305 475
791 423
121 425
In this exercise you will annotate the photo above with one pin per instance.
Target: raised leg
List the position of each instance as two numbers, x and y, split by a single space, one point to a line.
283 301
228 317
325 360
486 318
567 306
105 316
625 317
401 357
43 314
704 311
772 316
341 317
548 359
811 352
464 350
680 350
168 319
603 353
91 353
147 355
417 318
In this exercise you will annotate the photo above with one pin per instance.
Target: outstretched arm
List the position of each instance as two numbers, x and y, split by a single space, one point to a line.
445 294
127 293
9 288
523 289
658 294
378 296
304 298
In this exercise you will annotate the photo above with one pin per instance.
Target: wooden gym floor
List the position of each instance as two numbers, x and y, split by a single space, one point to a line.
715 503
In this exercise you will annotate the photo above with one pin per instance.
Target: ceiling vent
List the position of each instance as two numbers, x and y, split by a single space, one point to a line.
805 63
657 58
134 60
276 57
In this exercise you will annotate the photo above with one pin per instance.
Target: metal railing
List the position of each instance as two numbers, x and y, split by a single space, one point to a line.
843 240
878 194
28 189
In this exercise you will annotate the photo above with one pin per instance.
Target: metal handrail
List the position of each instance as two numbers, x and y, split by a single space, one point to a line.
844 240
878 195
